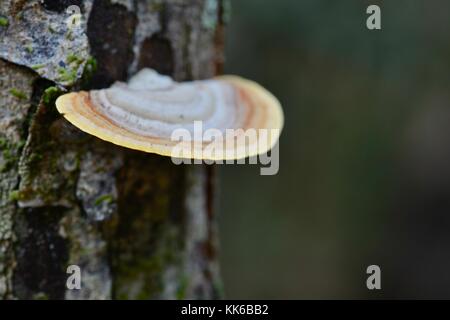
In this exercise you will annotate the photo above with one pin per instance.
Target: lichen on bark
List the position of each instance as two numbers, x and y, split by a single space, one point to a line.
137 225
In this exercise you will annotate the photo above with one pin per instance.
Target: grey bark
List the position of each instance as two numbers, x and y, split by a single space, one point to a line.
138 226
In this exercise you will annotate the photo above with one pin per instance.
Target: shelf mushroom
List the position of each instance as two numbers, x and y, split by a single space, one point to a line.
224 118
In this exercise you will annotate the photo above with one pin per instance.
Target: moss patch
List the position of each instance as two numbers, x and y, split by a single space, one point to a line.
182 287
16 195
38 66
4 22
18 94
89 69
9 153
67 75
148 240
106 198
70 72
50 95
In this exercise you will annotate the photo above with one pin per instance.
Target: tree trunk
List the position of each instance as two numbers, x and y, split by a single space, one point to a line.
138 226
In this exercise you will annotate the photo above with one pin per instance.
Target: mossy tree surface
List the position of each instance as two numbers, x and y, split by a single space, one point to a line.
138 226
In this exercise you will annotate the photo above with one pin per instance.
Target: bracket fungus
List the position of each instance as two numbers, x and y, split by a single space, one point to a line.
224 118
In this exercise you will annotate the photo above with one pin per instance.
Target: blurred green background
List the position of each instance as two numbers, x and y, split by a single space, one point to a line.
364 156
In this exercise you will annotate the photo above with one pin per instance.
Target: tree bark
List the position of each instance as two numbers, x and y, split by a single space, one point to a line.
138 226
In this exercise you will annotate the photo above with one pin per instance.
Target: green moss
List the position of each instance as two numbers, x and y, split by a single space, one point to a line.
40 296
51 30
147 272
218 288
71 58
3 143
132 273
37 66
20 145
9 153
107 198
3 22
50 95
182 287
89 69
29 48
15 195
45 157
73 63
66 75
91 65
18 94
